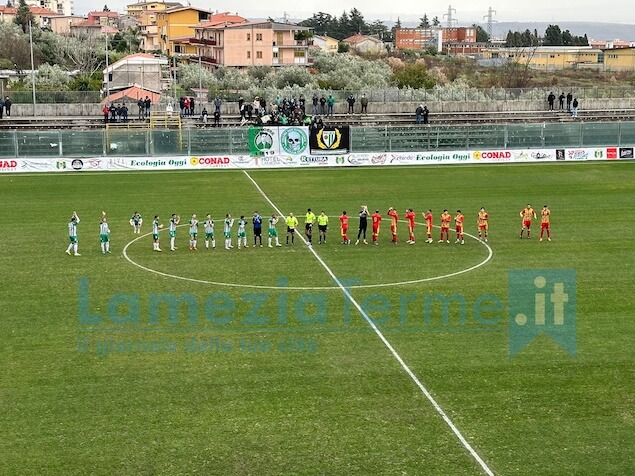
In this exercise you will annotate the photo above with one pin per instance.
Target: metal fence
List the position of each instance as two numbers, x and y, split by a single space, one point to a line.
230 141
387 94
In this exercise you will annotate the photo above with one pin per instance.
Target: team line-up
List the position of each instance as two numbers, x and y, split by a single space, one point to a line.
322 220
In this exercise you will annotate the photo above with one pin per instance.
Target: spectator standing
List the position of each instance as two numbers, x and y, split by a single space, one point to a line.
323 105
351 104
551 99
314 104
181 105
574 108
241 102
169 109
7 106
105 111
426 114
569 99
561 101
2 108
364 102
191 107
142 108
113 112
418 114
330 102
216 118
204 116
148 104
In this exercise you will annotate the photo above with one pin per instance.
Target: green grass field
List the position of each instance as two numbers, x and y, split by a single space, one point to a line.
267 380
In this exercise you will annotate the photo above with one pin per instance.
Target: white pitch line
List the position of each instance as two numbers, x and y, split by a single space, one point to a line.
392 350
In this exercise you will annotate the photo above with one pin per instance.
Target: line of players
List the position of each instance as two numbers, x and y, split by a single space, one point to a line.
322 220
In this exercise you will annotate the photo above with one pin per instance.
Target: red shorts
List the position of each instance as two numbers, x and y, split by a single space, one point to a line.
393 229
459 229
482 227
344 230
526 223
428 228
445 228
376 229
544 225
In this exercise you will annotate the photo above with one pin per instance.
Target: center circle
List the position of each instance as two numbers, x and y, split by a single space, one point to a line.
334 287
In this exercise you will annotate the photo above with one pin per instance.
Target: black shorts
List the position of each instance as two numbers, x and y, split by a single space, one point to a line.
308 226
322 228
290 230
257 231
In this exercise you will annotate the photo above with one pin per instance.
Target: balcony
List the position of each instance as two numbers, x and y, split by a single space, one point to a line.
202 41
203 59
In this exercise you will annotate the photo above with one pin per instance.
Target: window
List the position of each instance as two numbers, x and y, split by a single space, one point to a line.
299 54
258 36
249 55
275 54
248 36
178 49
258 54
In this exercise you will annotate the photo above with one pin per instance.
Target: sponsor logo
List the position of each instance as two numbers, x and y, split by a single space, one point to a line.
560 155
339 160
358 160
577 154
403 159
522 155
60 164
313 160
294 140
242 160
215 161
540 155
598 153
626 152
95 163
77 164
378 159
432 157
6 165
501 155
611 153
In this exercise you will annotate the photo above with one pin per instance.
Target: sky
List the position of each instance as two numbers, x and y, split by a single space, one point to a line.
466 11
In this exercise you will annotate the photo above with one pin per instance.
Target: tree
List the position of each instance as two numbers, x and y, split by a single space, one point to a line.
424 22
106 9
322 23
567 38
413 76
436 22
553 36
24 17
394 29
356 22
378 28
481 34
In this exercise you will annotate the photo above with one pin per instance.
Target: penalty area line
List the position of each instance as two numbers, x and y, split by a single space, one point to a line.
385 341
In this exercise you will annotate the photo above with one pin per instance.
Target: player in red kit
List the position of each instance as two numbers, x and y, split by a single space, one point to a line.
410 217
394 216
376 217
428 217
344 228
545 222
446 218
527 214
458 221
483 217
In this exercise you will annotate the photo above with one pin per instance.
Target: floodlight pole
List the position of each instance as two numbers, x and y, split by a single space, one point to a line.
107 73
32 66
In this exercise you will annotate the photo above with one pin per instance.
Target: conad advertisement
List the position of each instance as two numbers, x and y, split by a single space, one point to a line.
204 162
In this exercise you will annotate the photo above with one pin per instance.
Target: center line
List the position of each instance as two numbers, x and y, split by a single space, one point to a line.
381 336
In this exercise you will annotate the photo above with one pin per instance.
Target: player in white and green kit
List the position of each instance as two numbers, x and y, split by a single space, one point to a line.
209 231
193 231
104 236
156 226
72 235
227 231
273 233
242 234
174 221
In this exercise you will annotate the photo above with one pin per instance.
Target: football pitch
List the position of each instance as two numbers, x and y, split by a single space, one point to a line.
332 359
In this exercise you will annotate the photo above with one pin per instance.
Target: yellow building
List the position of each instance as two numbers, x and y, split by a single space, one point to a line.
548 57
146 15
619 59
326 43
141 9
175 27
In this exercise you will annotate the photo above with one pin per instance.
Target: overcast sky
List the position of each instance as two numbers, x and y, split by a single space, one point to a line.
466 11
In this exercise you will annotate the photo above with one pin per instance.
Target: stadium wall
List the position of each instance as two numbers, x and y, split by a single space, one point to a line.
231 108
